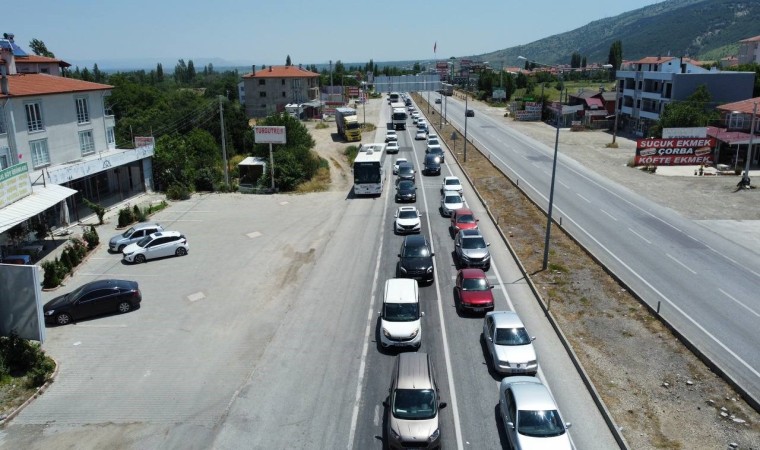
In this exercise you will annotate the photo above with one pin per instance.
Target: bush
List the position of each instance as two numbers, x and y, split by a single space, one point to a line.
21 356
91 237
178 191
139 214
351 152
125 217
97 209
51 278
205 179
79 247
157 207
66 263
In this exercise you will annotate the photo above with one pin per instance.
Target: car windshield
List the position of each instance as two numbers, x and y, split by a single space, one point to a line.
401 312
432 142
128 232
144 241
473 242
414 404
453 199
474 284
512 336
540 424
407 215
452 182
76 292
416 251
466 218
405 169
406 185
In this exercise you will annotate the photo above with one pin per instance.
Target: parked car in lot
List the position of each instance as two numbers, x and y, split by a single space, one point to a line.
157 245
415 259
450 202
392 147
133 234
472 251
397 163
530 415
406 191
391 135
463 219
400 324
407 220
451 184
473 291
509 344
93 299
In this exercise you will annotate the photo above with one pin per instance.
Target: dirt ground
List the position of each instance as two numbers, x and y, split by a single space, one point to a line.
671 400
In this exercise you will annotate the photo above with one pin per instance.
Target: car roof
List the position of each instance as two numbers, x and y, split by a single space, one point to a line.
414 371
166 233
101 284
472 273
506 319
450 178
140 226
470 232
407 208
462 211
400 160
529 395
401 290
415 240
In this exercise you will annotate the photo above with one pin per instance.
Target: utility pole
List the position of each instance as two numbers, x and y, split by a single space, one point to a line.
224 143
745 177
466 96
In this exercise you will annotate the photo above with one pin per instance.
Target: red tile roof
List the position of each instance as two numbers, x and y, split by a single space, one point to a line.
282 72
41 59
653 60
743 106
20 85
729 137
752 39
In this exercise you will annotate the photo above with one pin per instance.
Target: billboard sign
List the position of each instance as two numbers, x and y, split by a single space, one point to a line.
674 152
692 132
15 184
269 135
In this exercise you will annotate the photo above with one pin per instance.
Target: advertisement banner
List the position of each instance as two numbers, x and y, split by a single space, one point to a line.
692 132
14 184
269 135
674 152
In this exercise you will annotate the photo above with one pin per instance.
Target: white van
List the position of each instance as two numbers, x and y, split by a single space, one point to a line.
400 324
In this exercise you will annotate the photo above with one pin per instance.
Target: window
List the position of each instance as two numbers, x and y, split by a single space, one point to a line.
83 113
34 117
262 82
40 155
2 120
107 109
110 137
262 94
283 82
283 94
86 142
5 157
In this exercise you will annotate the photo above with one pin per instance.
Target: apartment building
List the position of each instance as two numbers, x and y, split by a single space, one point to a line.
268 90
749 50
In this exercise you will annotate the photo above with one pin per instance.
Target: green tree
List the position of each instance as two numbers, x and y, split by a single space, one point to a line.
159 72
190 71
97 75
39 48
615 57
180 72
287 61
294 162
696 111
86 75
575 60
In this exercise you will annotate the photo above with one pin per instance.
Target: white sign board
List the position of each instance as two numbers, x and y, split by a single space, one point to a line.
66 173
692 132
14 184
269 135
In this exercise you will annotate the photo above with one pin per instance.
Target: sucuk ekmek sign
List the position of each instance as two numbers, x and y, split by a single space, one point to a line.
674 152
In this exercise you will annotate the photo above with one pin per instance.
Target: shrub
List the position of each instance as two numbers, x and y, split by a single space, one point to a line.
178 191
125 217
51 278
91 237
139 214
97 209
321 125
19 355
222 187
79 247
157 207
351 152
205 179
65 262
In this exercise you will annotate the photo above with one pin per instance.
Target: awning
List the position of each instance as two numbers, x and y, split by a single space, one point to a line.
41 199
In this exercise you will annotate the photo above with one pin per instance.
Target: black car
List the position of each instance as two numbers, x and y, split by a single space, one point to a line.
415 259
93 299
436 151
406 191
432 164
406 172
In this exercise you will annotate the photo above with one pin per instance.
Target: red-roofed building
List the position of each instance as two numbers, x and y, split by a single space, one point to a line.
738 119
749 50
268 90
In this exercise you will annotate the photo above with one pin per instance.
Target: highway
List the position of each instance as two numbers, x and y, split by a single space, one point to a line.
705 285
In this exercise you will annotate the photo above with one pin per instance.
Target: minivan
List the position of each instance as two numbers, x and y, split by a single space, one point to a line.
432 164
400 324
413 404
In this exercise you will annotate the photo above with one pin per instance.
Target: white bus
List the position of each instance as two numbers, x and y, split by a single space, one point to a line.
369 174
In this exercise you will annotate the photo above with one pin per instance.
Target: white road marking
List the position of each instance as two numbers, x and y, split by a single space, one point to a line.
283 203
584 198
77 343
197 296
377 415
740 303
608 214
640 236
680 263
254 235
563 184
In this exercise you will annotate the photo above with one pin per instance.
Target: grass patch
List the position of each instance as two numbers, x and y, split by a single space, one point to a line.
351 151
23 368
320 182
556 267
321 126
367 127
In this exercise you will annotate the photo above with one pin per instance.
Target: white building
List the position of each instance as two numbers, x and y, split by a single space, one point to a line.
749 50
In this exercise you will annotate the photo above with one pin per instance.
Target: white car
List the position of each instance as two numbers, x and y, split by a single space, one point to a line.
407 220
509 345
422 122
397 163
451 184
392 147
450 202
391 135
421 134
415 115
156 245
530 415
432 136
433 141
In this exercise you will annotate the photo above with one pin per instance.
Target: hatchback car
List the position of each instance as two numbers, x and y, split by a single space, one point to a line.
93 299
392 147
133 234
530 415
420 135
157 245
450 202
463 219
509 344
398 162
415 259
391 135
451 184
473 291
472 251
406 191
407 220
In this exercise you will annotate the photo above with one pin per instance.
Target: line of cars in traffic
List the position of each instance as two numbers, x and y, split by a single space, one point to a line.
137 244
528 411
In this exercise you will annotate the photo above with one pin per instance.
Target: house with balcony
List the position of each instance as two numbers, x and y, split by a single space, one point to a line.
738 135
58 147
268 90
749 50
646 86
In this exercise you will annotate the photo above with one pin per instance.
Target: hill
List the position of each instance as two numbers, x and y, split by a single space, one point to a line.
695 28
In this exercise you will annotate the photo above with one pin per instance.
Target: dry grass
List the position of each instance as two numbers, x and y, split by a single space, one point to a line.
319 183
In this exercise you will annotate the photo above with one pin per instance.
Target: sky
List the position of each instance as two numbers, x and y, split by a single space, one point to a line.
265 32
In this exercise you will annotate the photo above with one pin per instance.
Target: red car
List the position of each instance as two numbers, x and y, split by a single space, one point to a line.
473 291
463 219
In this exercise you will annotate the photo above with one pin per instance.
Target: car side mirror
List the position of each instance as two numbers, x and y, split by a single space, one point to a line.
488 244
379 313
532 338
422 314
477 220
432 253
399 255
457 244
443 405
385 403
511 425
491 287
568 424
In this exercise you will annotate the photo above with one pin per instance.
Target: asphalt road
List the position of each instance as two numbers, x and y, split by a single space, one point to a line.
705 285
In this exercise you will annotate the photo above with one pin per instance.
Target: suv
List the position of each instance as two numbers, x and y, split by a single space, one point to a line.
157 245
530 415
472 251
413 404
432 164
400 324
133 234
415 259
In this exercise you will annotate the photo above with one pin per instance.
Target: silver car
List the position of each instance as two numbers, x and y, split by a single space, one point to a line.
509 344
132 235
157 245
450 202
472 251
530 415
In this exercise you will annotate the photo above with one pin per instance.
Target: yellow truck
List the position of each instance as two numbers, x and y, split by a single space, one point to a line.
348 124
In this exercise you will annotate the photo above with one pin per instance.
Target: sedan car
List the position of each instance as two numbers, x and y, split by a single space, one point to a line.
391 135
406 191
463 219
133 234
432 141
157 245
473 291
509 345
438 101
406 172
472 251
93 299
415 259
421 135
399 161
451 184
450 202
435 150
392 147
530 415
407 220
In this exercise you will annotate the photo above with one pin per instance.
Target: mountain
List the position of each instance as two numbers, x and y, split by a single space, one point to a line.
694 28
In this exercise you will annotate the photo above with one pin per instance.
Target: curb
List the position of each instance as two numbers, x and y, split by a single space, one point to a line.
40 390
